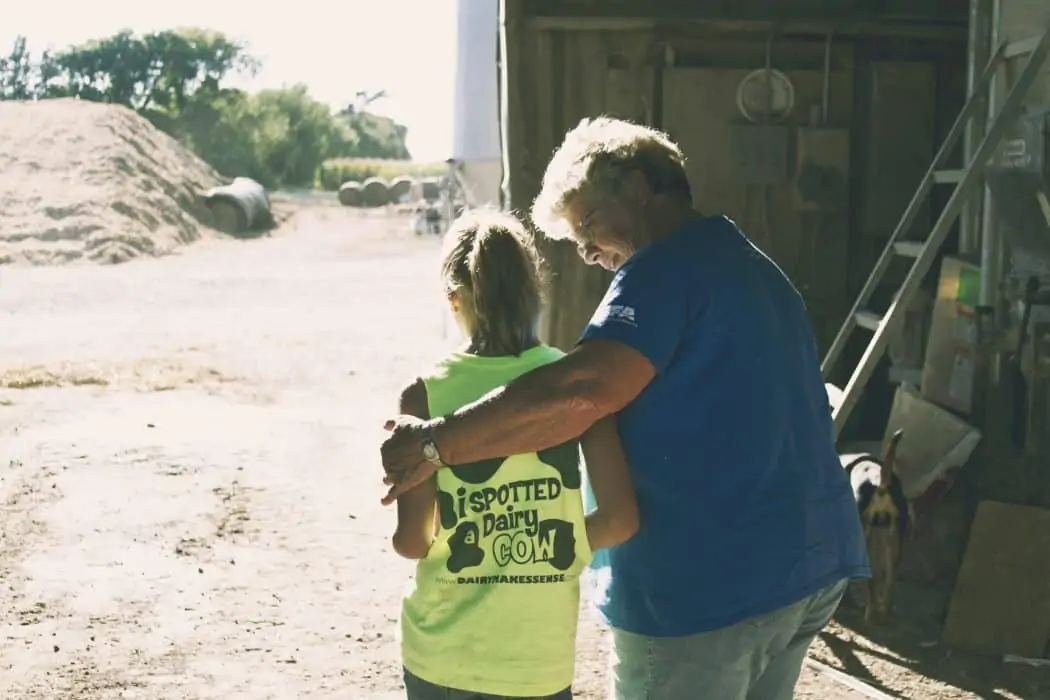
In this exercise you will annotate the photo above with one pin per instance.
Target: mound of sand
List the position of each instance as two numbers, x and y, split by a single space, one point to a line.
87 181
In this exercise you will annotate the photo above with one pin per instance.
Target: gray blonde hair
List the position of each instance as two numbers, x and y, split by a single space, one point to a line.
490 260
592 162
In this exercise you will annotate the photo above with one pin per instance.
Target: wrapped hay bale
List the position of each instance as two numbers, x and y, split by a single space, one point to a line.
240 206
350 194
376 193
400 189
431 189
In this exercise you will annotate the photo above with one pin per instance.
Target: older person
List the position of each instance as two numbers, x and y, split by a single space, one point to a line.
749 531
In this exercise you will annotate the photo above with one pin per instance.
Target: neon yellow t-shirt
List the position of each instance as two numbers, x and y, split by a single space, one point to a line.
496 599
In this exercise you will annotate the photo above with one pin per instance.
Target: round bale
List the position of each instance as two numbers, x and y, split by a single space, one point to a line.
350 194
400 188
239 206
376 193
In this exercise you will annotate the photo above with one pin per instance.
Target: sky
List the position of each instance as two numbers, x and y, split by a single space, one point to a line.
335 47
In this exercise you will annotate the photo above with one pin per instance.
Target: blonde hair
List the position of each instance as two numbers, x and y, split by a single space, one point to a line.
592 162
491 262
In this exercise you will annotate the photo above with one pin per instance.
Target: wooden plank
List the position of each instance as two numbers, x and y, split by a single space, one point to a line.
699 105
580 287
629 91
785 30
918 12
545 64
856 685
1001 601
896 153
580 84
514 36
591 24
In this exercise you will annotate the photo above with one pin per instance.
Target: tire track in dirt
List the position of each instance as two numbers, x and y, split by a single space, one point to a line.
231 520
30 489
25 489
92 617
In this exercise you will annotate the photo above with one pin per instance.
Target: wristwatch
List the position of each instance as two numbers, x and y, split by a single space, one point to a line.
430 450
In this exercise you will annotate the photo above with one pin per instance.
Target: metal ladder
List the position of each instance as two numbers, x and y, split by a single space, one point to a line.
923 253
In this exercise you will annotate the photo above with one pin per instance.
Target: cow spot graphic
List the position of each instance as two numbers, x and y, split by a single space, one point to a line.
565 458
447 510
478 472
562 533
464 548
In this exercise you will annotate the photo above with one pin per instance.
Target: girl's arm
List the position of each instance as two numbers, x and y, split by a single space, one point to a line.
416 524
615 520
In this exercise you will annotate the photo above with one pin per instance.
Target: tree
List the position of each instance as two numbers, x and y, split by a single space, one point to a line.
156 71
16 73
375 136
175 79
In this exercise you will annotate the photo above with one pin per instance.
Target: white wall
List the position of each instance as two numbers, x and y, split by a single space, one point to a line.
476 137
476 128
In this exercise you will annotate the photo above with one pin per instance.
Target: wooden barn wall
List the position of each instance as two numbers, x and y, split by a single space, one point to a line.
758 10
556 77
699 107
565 77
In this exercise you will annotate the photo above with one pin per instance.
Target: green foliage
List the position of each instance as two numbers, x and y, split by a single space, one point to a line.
16 73
174 78
335 172
156 71
374 136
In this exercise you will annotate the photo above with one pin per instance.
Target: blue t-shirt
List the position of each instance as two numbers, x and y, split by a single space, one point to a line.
744 505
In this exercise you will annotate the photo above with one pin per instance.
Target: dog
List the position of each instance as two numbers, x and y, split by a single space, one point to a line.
888 519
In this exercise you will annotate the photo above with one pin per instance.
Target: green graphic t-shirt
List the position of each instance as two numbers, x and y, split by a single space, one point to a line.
495 602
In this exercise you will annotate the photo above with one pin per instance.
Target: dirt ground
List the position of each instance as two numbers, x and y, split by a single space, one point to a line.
190 481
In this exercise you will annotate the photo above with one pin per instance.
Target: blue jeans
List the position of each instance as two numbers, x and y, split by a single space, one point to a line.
418 689
757 659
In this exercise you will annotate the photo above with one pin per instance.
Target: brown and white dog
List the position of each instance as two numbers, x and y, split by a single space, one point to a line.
888 517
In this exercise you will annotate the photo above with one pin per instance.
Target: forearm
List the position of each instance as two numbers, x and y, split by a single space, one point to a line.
541 409
606 530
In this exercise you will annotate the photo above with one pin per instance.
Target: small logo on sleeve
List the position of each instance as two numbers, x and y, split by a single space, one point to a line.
623 314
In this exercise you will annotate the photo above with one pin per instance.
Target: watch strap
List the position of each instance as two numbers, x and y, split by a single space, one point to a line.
428 442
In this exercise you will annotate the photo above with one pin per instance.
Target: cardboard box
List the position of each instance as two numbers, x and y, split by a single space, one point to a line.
907 349
951 357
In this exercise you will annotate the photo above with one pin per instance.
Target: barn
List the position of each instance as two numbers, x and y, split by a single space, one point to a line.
815 126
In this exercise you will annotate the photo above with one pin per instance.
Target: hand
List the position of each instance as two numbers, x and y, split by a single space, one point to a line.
403 459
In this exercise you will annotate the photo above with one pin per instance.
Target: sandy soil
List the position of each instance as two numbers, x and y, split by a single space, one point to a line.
189 477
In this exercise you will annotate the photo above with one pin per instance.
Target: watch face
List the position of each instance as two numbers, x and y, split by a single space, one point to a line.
429 451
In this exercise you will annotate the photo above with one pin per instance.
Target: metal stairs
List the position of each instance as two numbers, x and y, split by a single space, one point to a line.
923 253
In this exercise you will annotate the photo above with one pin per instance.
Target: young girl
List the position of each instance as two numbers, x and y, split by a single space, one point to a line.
501 543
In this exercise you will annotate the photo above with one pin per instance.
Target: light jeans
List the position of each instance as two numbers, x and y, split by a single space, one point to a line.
757 659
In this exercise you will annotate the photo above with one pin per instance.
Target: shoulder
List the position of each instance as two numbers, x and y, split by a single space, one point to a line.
413 400
549 353
681 255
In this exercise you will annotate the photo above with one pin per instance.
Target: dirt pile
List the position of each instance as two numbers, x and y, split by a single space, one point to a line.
95 182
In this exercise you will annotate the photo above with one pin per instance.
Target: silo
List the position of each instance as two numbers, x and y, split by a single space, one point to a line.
476 137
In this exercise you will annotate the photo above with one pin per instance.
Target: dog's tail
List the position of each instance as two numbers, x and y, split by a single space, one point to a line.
889 458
